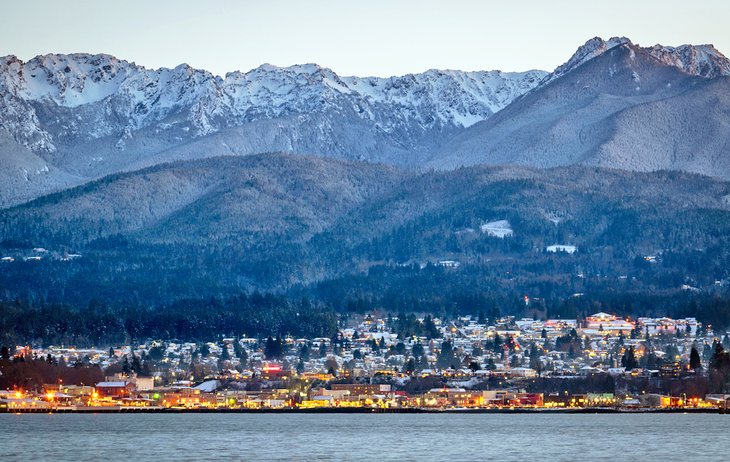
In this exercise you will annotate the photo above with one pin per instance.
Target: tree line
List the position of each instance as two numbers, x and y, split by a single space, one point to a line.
99 323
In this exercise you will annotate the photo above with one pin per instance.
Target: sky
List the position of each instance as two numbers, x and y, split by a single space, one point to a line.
365 38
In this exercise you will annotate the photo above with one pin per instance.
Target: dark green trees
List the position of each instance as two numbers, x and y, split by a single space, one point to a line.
628 360
447 357
410 366
695 363
719 370
273 349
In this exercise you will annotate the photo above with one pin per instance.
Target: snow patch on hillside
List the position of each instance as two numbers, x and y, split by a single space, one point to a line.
556 248
499 228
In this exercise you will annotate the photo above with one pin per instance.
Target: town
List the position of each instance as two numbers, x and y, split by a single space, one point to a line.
381 362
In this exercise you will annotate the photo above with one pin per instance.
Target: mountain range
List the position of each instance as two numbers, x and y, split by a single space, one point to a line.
69 119
609 173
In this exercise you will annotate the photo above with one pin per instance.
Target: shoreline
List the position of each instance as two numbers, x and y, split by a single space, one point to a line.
336 410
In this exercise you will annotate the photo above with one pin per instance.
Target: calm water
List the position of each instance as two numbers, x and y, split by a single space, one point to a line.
453 437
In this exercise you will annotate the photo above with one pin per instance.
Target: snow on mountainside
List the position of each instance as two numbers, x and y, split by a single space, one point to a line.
698 60
613 104
67 97
69 81
463 98
24 175
98 96
67 119
93 115
591 49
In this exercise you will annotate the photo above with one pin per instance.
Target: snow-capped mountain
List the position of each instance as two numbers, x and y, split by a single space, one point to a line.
68 97
93 115
453 97
67 119
613 104
591 49
40 95
697 60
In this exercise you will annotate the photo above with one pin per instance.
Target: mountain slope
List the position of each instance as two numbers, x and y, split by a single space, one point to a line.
204 201
615 105
284 222
24 175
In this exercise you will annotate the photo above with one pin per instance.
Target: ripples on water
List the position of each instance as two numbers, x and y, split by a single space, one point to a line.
453 437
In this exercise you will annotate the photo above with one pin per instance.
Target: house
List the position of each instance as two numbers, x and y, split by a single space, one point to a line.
604 324
448 263
530 399
670 369
118 389
523 372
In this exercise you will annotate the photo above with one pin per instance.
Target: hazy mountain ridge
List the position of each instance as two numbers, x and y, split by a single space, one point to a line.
278 221
268 193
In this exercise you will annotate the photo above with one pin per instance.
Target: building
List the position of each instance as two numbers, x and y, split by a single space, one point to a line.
119 389
604 323
670 369
529 399
525 372
463 398
144 383
361 389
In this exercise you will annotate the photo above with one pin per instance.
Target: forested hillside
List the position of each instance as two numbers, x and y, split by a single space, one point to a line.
347 231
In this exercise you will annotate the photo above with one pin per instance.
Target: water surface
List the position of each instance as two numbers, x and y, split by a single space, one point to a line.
453 437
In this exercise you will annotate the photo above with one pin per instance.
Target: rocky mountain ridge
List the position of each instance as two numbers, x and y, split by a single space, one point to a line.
613 104
129 97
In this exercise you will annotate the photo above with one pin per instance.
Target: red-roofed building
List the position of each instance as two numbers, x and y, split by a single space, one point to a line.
119 389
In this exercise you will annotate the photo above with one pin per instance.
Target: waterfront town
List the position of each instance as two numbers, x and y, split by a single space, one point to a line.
380 362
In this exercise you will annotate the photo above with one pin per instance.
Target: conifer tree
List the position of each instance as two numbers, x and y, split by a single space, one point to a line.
695 363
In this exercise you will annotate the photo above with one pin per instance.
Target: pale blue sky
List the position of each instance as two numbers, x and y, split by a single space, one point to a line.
375 37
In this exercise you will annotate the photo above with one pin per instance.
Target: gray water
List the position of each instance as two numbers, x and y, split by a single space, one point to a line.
453 437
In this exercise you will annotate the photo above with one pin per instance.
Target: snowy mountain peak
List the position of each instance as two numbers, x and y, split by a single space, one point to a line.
307 68
591 49
70 80
700 60
595 47
298 73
